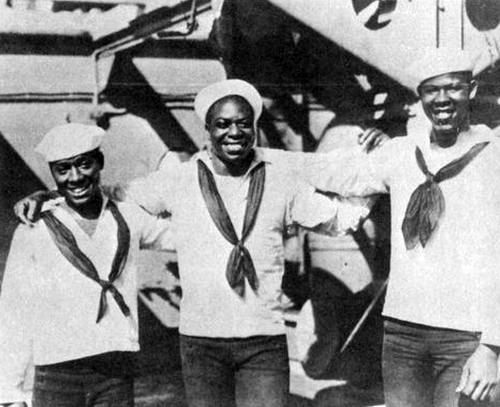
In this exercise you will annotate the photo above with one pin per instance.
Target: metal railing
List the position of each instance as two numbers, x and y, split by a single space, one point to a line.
153 25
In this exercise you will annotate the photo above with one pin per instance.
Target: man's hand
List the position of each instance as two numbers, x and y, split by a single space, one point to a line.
372 138
479 375
28 209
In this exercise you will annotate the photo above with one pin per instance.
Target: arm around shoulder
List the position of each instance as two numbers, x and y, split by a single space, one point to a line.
327 213
155 192
156 232
28 209
352 171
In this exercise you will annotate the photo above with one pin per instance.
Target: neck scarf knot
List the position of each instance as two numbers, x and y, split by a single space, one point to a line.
426 204
67 245
239 265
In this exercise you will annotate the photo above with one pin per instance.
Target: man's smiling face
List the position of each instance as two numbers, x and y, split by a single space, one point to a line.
446 101
230 123
78 178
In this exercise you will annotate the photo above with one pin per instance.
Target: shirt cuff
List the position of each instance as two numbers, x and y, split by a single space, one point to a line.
351 213
327 172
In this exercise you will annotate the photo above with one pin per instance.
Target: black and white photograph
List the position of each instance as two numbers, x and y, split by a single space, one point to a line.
250 203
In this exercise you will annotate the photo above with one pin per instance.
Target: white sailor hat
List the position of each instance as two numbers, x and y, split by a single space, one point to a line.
216 91
432 62
69 140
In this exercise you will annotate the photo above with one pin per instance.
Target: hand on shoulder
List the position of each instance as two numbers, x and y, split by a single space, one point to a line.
28 209
372 138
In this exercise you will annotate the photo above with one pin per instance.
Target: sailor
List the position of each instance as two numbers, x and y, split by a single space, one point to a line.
69 294
231 207
441 312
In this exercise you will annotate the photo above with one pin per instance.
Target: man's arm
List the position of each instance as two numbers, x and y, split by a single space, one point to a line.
351 171
28 209
149 192
155 192
332 215
156 232
16 312
345 171
332 171
152 192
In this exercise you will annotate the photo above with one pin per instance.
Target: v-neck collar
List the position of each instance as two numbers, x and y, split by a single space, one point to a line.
70 218
437 157
465 140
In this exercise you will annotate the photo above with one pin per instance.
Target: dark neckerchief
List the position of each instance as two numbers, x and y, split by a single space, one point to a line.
67 245
239 264
426 204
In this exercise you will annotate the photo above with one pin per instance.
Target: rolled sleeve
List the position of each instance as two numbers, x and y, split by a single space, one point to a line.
352 212
156 232
330 215
350 171
155 193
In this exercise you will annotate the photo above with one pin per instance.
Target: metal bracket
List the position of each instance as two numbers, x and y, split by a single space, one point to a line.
159 31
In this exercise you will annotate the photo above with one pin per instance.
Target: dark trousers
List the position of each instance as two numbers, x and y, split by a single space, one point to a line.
422 365
242 372
99 381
